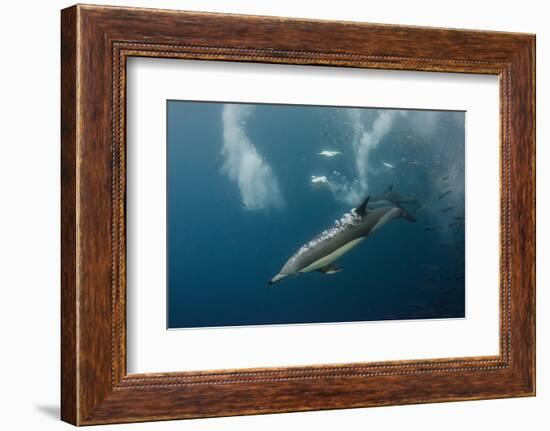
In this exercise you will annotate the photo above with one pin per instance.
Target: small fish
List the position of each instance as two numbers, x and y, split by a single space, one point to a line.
446 210
459 218
442 195
433 227
388 165
444 179
329 153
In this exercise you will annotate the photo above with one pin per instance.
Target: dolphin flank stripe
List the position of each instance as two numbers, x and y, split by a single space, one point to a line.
327 260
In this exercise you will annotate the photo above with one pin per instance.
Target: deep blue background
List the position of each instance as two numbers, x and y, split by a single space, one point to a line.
221 254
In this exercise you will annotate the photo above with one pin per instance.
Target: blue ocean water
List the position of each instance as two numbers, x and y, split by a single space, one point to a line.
249 184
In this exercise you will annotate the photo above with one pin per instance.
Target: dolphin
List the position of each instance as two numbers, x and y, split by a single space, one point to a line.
320 253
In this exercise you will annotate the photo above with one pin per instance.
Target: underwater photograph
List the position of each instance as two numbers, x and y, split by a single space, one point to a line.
297 214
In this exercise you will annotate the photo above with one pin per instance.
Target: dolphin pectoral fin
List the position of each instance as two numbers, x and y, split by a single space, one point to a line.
330 269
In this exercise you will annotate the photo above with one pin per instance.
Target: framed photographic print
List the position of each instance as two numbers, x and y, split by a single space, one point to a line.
316 215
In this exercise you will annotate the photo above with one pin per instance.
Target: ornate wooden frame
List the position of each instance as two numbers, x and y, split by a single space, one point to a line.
95 42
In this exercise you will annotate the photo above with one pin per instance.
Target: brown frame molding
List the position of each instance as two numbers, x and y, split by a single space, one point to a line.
95 43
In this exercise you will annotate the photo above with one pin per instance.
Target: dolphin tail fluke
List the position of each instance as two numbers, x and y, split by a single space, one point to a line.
277 278
407 215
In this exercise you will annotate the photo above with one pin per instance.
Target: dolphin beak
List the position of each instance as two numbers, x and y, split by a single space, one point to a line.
277 278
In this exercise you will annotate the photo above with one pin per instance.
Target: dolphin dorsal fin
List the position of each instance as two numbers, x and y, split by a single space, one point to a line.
361 210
